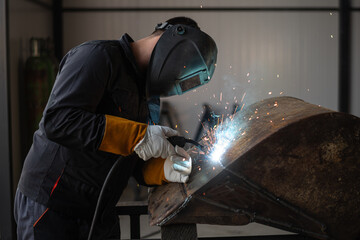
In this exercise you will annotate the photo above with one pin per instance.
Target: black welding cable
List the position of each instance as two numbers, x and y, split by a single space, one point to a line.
96 213
176 140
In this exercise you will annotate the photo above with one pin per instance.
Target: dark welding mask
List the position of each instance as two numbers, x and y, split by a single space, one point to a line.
183 59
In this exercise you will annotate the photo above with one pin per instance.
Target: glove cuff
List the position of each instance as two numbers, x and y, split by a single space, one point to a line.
153 172
121 135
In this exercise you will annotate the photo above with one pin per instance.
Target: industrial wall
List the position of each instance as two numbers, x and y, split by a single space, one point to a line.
261 53
26 20
355 94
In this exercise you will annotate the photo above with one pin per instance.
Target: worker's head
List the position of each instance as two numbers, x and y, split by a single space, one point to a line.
184 58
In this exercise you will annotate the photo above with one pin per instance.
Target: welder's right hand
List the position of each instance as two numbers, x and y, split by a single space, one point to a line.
155 143
177 168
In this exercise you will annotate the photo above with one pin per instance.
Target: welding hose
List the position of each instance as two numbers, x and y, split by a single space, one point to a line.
101 195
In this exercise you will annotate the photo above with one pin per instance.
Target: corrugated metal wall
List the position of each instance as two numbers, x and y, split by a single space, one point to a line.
262 54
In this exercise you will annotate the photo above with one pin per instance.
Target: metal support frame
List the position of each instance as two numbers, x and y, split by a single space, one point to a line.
134 212
344 55
6 201
196 9
57 9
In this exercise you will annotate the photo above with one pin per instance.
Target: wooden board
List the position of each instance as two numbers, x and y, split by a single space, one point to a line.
290 164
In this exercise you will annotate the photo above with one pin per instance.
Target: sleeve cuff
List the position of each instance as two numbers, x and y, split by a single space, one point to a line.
121 135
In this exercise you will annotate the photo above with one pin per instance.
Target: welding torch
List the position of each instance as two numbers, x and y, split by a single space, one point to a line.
181 141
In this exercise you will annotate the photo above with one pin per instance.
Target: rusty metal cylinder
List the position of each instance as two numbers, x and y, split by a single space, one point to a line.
289 164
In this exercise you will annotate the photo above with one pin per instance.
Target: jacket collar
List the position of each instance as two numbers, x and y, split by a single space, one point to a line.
125 42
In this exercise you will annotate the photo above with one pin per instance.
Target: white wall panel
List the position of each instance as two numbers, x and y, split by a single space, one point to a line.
355 3
285 53
355 84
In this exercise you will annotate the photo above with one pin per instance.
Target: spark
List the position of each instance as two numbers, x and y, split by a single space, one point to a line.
242 99
248 74
331 14
242 106
270 93
236 109
281 93
332 36
186 131
278 75
223 136
220 96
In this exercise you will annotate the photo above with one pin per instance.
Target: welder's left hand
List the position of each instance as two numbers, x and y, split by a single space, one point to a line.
177 168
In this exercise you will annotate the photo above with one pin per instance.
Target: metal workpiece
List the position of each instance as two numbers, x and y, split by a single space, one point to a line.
286 163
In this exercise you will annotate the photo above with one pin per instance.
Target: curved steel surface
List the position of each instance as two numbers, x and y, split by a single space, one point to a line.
289 164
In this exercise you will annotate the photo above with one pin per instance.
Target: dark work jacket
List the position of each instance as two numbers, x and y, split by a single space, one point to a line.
64 169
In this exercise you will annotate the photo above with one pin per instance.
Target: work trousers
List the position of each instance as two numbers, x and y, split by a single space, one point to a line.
36 222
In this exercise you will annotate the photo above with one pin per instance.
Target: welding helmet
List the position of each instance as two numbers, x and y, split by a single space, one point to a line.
183 58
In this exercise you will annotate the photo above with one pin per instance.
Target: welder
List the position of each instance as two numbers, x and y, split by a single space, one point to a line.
105 104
